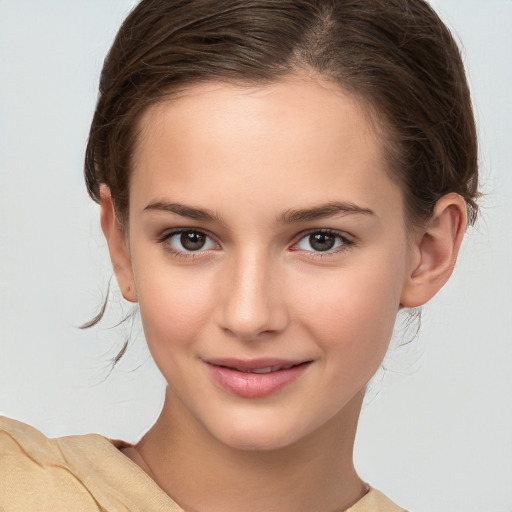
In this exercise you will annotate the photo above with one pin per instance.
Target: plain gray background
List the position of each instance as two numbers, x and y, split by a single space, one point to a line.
436 432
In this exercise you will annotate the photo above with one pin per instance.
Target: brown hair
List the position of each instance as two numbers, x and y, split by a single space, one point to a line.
396 55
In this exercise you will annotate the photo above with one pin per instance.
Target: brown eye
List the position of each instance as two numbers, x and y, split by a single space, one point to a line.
192 240
322 241
189 241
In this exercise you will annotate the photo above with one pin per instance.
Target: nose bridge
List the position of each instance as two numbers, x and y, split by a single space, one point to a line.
253 303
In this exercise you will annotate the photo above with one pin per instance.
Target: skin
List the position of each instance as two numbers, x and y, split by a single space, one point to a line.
252 157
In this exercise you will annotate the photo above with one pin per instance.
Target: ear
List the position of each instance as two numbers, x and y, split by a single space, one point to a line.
117 246
435 251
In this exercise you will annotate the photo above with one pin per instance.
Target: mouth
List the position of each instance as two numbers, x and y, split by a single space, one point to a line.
265 369
256 378
257 365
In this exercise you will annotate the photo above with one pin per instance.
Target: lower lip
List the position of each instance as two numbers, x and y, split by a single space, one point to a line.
255 385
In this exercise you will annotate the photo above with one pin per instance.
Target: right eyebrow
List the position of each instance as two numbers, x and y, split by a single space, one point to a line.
183 210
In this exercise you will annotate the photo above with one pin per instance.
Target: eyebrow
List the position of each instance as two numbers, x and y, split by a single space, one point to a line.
330 209
323 211
183 210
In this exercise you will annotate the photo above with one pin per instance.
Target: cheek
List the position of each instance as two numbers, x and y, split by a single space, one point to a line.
174 307
353 312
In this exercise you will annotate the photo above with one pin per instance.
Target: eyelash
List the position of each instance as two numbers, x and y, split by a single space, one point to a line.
346 243
165 238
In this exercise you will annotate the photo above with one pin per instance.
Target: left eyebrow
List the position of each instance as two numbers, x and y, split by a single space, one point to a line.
323 211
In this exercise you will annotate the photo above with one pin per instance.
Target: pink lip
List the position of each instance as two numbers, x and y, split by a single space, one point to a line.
233 375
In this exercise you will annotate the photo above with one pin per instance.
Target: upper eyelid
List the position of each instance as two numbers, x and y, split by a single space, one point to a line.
342 234
174 231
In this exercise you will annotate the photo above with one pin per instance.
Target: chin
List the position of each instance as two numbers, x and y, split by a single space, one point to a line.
256 435
259 443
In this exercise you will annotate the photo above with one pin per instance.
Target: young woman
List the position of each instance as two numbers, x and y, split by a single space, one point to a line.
276 180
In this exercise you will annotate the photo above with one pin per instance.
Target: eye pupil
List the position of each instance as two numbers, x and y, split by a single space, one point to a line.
322 241
192 240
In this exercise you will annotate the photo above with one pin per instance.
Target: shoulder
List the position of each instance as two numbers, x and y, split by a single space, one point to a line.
17 438
34 473
81 472
375 501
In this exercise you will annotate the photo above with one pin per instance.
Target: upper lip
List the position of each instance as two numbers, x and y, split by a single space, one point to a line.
247 365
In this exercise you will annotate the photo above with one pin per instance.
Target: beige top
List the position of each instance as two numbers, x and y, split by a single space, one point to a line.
88 473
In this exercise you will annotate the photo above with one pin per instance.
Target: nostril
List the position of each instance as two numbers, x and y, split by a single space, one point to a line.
248 334
252 307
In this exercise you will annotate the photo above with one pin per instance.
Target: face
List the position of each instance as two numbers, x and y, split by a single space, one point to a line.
269 254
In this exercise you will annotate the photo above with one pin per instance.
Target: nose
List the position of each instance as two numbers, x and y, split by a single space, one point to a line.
253 299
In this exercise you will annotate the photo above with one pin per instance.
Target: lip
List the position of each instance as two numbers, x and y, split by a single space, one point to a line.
239 377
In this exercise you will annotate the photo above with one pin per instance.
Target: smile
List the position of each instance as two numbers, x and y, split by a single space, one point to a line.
255 379
267 369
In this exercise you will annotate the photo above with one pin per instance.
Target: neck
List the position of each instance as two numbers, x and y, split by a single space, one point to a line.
204 475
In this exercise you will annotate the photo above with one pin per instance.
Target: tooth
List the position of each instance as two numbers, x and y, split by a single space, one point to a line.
268 369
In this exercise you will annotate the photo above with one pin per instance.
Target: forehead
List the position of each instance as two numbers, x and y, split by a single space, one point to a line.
303 138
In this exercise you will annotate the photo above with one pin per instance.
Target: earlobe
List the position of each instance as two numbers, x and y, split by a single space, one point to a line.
435 251
119 252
